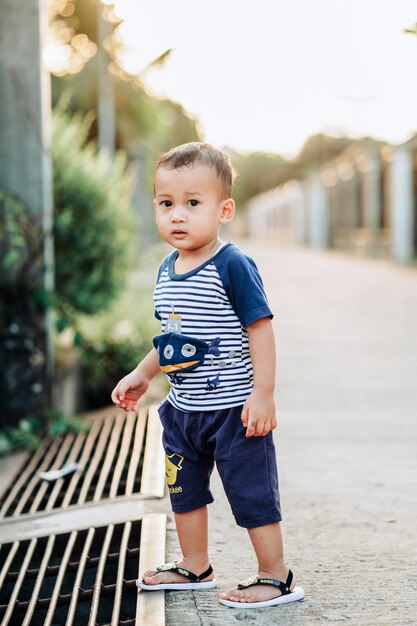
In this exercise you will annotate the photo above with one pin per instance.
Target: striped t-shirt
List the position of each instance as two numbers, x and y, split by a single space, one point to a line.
214 303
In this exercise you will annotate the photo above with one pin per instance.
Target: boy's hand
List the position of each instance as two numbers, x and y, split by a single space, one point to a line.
258 413
132 387
128 390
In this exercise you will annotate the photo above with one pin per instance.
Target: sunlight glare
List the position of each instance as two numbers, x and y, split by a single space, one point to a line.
266 76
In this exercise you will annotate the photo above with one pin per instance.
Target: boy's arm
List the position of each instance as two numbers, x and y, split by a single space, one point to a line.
258 414
132 387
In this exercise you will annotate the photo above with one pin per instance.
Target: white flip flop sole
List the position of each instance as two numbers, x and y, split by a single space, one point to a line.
296 594
176 586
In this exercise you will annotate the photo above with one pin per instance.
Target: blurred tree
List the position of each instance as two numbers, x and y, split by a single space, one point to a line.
257 172
320 148
23 302
143 121
73 35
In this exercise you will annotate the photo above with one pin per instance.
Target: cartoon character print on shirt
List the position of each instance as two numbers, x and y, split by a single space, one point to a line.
176 379
214 346
173 464
212 383
179 353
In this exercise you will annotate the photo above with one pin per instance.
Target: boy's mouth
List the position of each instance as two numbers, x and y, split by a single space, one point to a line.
178 231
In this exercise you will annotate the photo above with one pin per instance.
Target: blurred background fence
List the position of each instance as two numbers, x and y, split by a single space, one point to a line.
363 201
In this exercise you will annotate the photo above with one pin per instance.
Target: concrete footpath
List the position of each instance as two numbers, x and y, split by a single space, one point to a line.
346 333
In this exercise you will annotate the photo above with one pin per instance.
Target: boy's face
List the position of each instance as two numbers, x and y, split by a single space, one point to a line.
189 207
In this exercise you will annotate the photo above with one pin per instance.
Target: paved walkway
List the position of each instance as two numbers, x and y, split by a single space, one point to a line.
347 448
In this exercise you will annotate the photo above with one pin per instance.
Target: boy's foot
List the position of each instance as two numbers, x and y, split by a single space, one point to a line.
255 592
176 576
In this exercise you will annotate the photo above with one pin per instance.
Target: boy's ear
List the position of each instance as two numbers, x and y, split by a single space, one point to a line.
228 211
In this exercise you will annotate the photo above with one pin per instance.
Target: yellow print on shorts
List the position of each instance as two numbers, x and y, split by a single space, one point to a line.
173 464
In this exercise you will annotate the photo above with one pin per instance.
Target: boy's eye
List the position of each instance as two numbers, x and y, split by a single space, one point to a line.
166 203
193 202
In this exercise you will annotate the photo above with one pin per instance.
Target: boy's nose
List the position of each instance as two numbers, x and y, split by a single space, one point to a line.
177 214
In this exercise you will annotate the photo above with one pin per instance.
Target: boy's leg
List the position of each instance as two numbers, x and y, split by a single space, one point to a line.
268 546
188 477
192 529
248 470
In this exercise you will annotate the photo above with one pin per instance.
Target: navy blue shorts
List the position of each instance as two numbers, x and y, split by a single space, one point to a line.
194 441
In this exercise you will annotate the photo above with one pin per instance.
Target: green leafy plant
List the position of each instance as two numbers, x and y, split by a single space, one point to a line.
24 435
117 339
104 363
30 433
94 222
58 423
21 246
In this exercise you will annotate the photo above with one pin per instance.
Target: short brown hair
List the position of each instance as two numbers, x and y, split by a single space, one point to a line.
205 155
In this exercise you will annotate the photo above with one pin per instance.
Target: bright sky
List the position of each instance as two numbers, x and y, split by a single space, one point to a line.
266 74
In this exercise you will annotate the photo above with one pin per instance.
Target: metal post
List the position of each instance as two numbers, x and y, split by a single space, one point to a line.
26 174
319 235
370 165
402 204
106 111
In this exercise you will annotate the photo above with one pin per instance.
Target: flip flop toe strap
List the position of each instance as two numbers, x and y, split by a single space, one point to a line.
172 567
284 587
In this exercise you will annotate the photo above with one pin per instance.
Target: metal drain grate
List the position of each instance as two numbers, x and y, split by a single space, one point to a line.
81 577
112 460
55 567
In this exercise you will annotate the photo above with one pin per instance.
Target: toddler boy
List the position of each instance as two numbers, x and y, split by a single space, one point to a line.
217 348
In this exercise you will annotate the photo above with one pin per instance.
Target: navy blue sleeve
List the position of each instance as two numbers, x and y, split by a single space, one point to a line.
243 285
